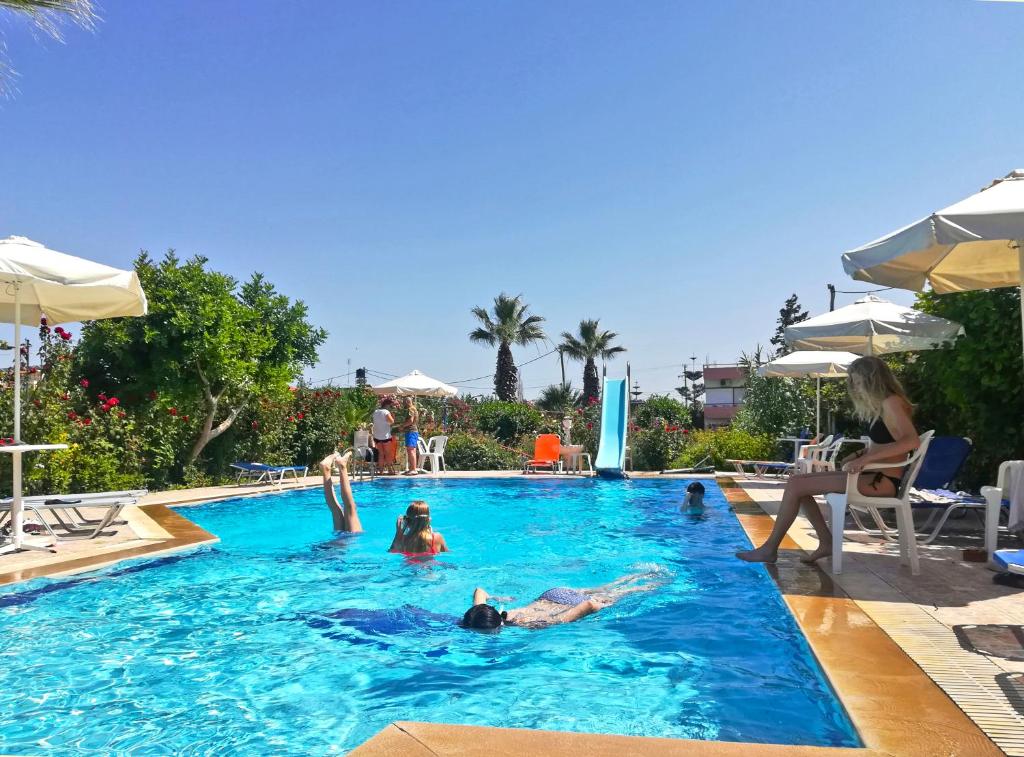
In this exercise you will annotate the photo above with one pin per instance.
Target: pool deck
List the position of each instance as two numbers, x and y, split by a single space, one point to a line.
884 639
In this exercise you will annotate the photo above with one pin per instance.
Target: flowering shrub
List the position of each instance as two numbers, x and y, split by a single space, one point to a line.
654 448
479 452
508 422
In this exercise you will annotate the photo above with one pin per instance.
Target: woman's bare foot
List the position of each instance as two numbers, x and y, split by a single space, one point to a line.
758 555
342 460
823 551
326 464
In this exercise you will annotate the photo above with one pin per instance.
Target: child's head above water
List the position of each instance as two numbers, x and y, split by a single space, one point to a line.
693 503
483 617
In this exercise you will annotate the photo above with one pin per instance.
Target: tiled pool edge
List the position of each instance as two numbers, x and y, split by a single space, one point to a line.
896 708
183 533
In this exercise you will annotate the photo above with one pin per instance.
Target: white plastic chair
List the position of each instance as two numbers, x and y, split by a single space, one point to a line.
853 499
811 453
433 453
362 454
995 497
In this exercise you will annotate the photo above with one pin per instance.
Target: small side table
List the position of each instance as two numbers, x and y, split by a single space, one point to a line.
18 542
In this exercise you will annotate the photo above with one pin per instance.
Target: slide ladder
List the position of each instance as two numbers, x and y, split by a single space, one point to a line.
611 450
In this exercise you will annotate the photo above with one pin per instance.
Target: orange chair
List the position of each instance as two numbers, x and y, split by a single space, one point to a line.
546 453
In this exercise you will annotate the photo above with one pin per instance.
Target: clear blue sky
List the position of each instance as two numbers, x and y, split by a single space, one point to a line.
676 169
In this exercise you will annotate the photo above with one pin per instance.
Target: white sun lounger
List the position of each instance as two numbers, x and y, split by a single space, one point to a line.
65 510
761 467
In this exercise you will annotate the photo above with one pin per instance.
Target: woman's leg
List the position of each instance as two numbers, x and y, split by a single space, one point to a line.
351 515
337 513
799 492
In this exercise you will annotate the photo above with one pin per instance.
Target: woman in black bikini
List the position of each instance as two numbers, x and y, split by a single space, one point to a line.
879 399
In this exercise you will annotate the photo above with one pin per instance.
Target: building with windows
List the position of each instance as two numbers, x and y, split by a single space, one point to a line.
724 389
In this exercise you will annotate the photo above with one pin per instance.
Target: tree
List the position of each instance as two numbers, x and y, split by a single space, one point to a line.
790 313
511 324
559 399
771 406
47 16
973 388
205 344
586 346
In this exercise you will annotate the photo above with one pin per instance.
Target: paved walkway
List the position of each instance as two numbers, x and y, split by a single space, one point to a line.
920 612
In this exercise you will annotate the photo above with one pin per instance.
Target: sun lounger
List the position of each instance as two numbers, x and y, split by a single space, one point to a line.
257 473
703 466
67 517
761 467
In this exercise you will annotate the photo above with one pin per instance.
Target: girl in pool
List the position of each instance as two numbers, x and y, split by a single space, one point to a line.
413 534
879 400
555 606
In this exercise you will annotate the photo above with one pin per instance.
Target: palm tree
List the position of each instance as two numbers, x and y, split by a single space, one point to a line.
511 323
559 399
588 345
46 16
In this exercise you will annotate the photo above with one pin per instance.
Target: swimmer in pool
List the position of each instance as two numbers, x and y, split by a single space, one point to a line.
556 606
414 534
694 502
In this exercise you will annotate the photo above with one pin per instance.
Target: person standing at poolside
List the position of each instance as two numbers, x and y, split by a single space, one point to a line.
879 400
412 436
383 439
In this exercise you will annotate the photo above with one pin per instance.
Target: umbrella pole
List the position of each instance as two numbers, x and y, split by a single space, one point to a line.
17 513
1020 254
817 411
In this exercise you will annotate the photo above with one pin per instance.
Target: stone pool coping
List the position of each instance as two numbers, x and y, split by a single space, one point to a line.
896 712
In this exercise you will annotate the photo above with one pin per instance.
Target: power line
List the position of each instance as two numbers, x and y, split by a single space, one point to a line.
489 375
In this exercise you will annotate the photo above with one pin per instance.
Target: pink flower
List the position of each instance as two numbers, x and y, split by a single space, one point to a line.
113 402
293 388
84 383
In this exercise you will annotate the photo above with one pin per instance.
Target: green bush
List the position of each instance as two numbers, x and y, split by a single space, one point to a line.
653 449
660 409
723 444
508 421
475 452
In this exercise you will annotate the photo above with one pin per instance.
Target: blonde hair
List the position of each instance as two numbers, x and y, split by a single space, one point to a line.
417 535
870 383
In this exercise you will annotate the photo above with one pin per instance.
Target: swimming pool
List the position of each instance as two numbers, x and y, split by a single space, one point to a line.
285 638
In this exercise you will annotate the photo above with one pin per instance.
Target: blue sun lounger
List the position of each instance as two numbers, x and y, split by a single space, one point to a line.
257 473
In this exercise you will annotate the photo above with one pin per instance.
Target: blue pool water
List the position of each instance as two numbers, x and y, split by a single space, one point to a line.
286 639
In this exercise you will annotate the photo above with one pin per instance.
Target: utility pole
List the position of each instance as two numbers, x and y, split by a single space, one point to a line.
831 297
693 393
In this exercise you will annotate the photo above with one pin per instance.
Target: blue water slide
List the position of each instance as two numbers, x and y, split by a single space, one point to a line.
611 451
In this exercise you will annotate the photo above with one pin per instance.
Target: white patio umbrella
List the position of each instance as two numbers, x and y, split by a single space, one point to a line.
873 326
416 384
977 243
816 364
36 281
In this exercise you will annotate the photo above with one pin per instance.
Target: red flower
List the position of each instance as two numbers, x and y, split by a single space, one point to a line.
291 419
86 421
153 395
42 321
84 383
37 403
121 414
105 408
72 415
185 418
172 410
102 397
66 336
590 425
255 424
300 416
65 396
686 431
113 402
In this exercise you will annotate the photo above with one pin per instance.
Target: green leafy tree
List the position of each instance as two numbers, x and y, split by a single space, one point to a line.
559 399
510 322
588 344
771 406
974 388
660 410
789 314
206 345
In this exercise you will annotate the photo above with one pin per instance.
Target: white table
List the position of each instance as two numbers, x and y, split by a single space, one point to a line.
18 541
